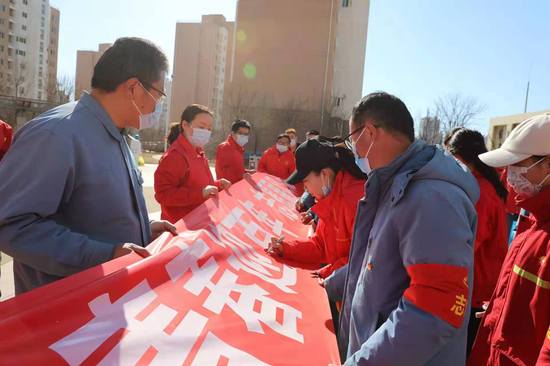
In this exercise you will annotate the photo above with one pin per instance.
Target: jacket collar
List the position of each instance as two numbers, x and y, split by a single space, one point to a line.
323 206
397 175
183 146
538 205
92 104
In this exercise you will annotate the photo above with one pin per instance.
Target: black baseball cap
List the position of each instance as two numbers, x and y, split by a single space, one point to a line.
311 155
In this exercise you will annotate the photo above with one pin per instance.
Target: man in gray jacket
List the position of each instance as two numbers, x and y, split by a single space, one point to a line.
71 194
406 290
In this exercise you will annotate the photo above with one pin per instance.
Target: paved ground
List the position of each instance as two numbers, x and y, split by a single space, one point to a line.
148 171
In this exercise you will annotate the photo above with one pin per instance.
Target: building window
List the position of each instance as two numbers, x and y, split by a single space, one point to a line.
25 15
39 95
346 3
25 2
24 27
1 35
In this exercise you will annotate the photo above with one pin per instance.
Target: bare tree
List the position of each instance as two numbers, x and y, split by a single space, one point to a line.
18 78
238 103
62 91
455 110
291 113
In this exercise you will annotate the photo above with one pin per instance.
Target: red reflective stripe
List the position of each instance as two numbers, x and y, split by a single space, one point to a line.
439 289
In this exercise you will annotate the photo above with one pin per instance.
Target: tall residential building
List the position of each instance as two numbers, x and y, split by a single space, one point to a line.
85 63
500 127
200 64
52 54
29 32
297 64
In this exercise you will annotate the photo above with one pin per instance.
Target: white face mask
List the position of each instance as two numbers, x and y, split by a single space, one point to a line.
201 137
292 142
152 119
521 185
281 148
240 139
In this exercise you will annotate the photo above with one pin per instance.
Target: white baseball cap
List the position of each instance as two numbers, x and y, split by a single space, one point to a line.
530 138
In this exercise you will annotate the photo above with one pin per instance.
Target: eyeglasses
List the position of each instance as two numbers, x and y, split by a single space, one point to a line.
347 139
162 97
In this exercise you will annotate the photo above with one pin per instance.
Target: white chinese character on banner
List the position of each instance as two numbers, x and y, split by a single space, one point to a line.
213 351
249 295
110 317
248 260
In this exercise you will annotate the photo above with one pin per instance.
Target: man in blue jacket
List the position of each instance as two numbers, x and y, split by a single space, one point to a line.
71 194
406 290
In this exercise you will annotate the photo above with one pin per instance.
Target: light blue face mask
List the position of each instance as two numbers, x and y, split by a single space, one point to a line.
362 163
152 119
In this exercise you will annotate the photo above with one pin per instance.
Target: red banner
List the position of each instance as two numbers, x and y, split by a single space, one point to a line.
209 296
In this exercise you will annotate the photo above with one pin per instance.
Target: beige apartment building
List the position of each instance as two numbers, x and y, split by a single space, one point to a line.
29 33
85 63
296 64
500 127
201 58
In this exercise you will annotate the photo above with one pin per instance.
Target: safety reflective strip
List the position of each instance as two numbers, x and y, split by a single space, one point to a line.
531 277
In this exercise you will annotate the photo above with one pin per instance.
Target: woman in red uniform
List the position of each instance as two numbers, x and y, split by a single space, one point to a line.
492 228
183 179
278 160
330 175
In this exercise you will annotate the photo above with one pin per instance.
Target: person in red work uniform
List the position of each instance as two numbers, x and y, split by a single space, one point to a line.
278 160
516 322
331 176
491 242
183 179
6 135
230 153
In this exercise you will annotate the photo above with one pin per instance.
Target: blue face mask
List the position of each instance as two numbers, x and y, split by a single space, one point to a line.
152 119
325 188
362 162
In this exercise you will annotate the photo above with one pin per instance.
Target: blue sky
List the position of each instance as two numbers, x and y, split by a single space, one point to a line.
419 50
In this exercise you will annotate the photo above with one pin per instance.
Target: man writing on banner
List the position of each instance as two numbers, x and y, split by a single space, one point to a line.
71 193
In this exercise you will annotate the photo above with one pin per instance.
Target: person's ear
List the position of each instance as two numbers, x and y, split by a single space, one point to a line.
131 86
